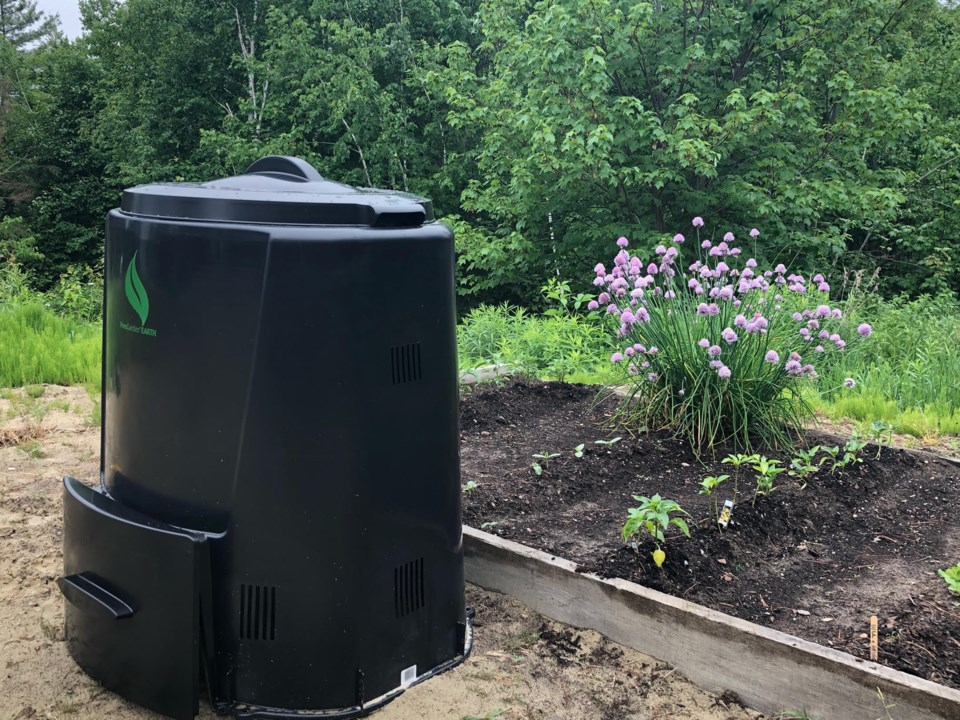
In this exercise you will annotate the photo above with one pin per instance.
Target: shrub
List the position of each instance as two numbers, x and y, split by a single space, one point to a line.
719 352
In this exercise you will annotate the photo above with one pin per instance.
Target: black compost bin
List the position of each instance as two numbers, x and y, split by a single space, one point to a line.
278 516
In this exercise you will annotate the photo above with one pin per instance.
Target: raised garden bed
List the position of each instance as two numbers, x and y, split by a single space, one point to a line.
814 562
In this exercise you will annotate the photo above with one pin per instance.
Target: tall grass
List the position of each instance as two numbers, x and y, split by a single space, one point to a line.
38 346
560 347
907 372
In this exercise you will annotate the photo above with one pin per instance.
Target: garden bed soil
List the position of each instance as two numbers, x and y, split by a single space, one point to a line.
523 664
815 561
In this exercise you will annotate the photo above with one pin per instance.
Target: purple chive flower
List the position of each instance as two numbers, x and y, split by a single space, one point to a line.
819 348
823 287
593 305
642 315
661 250
723 371
793 367
849 383
798 317
754 233
822 311
722 267
678 238
794 355
629 351
780 269
644 365
705 244
716 364
704 343
639 348
598 281
653 350
698 221
772 357
653 377
841 344
713 350
632 369
837 314
864 330
751 263
728 237
600 269
612 309
651 269
729 335
603 298
740 321
622 242
616 357
818 278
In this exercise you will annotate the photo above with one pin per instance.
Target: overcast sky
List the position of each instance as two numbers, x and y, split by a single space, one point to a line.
69 13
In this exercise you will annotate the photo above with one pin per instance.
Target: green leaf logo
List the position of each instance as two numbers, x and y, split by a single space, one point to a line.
136 293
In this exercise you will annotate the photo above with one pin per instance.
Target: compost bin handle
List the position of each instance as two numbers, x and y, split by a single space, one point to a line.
293 167
84 592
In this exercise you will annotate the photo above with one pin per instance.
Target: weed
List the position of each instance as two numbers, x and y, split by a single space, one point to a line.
34 391
492 715
578 451
469 487
32 449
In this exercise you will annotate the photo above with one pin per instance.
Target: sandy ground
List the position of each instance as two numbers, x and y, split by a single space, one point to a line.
522 666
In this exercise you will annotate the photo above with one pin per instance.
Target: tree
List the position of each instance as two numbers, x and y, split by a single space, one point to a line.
23 24
602 118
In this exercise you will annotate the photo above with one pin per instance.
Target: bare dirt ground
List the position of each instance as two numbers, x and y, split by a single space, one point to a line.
523 666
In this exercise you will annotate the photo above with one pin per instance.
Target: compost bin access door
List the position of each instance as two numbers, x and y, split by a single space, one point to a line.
133 586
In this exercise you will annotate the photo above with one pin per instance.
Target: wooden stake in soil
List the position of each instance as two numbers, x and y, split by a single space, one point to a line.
874 645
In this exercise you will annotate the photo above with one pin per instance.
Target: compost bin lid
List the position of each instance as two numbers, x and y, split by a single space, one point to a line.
278 190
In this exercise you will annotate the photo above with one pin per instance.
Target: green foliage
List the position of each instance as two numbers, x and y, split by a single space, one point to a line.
767 471
37 346
550 347
654 516
951 576
820 123
910 360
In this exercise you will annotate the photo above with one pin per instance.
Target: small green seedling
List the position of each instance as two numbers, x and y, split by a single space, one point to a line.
767 471
707 486
655 516
545 458
880 433
803 466
578 451
469 487
738 460
487 525
951 576
614 441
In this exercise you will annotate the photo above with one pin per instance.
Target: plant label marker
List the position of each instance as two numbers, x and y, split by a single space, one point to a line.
874 645
725 514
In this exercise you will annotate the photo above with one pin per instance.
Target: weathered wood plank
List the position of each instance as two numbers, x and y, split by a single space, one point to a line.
770 670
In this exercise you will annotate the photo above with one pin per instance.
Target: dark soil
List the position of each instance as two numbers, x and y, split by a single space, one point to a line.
815 562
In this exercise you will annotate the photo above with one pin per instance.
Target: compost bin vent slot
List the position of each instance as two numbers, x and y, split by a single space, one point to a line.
405 363
408 594
258 612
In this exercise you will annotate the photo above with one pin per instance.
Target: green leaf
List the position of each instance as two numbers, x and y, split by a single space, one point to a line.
136 293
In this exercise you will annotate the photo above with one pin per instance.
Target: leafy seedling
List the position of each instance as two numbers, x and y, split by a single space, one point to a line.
578 451
767 471
738 460
707 486
951 576
469 487
614 441
655 515
545 458
803 466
